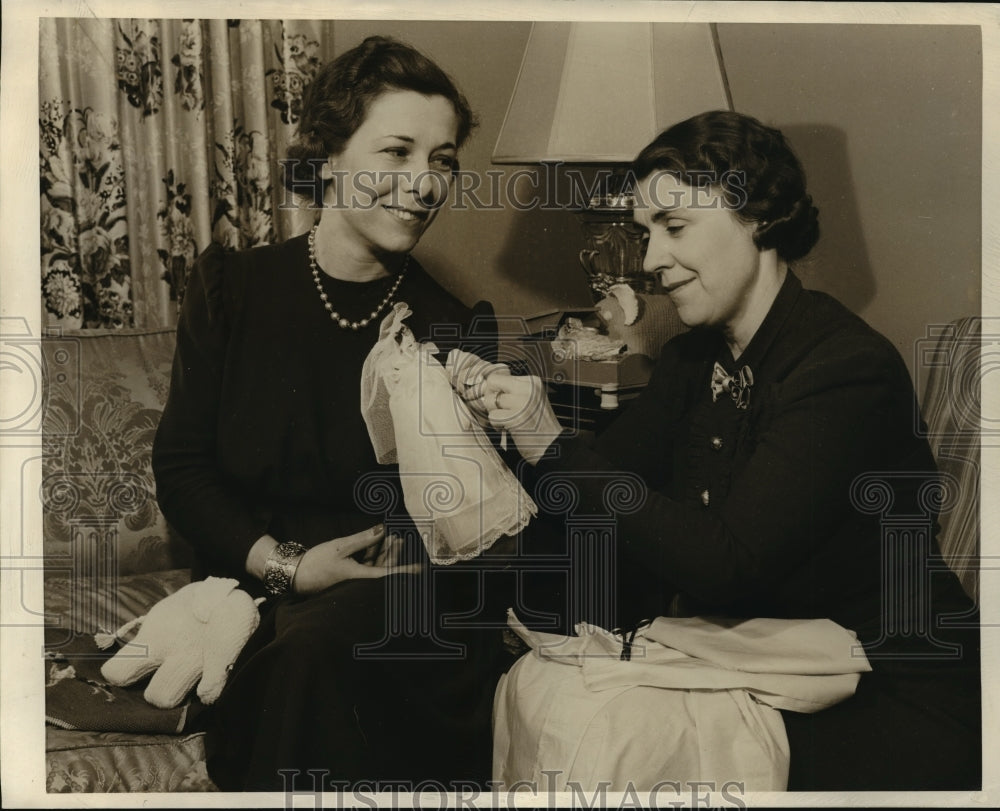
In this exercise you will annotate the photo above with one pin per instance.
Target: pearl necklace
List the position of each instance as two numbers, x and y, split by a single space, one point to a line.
337 318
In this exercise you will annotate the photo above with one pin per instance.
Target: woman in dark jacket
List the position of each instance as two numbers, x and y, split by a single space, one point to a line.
777 439
263 461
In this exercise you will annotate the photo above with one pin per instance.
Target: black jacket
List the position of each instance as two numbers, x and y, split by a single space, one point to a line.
780 509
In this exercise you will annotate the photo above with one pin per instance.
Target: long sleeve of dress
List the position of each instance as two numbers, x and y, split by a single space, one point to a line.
832 418
262 431
191 490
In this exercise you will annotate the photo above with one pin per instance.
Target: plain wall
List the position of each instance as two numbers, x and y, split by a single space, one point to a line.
886 120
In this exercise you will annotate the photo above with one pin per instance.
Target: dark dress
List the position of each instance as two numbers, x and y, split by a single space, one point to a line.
262 433
779 510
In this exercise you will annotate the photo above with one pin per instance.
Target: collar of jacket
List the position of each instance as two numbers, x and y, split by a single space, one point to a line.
762 339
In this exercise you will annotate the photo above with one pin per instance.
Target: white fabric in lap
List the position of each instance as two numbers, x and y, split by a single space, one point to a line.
547 720
570 706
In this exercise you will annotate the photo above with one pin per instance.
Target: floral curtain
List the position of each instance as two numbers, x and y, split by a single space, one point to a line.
157 137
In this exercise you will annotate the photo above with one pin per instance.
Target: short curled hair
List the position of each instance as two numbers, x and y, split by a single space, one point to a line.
754 167
336 102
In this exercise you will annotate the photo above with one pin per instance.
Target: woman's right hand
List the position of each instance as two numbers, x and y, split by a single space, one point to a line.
331 562
519 404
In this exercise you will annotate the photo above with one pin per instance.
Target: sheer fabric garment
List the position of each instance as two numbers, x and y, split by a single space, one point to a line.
458 491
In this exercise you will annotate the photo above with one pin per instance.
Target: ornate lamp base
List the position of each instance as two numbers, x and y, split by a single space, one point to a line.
614 248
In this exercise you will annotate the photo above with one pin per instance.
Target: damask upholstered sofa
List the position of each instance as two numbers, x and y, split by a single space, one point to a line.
109 555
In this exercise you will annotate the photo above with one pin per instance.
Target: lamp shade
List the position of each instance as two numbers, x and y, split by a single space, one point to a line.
597 92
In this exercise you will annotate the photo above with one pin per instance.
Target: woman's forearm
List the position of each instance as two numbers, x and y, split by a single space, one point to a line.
257 556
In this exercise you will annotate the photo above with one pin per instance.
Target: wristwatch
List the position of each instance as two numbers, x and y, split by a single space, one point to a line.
280 566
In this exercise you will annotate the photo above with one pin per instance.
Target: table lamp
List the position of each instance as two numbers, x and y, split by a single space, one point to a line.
594 94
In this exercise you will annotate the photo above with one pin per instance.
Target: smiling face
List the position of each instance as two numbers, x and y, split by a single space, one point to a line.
393 174
704 254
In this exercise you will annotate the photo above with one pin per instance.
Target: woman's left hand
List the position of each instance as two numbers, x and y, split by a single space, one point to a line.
384 554
331 562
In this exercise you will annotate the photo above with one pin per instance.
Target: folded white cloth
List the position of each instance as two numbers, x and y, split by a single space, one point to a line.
698 700
800 665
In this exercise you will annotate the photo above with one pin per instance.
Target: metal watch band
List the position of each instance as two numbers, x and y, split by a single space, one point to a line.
280 566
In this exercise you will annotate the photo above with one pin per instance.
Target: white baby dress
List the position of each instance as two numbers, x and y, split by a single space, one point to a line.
456 488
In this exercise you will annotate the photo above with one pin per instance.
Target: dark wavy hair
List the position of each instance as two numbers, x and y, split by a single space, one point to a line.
336 102
754 167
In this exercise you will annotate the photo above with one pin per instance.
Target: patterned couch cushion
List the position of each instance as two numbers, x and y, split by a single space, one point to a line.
87 761
951 405
121 761
83 606
109 555
105 392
